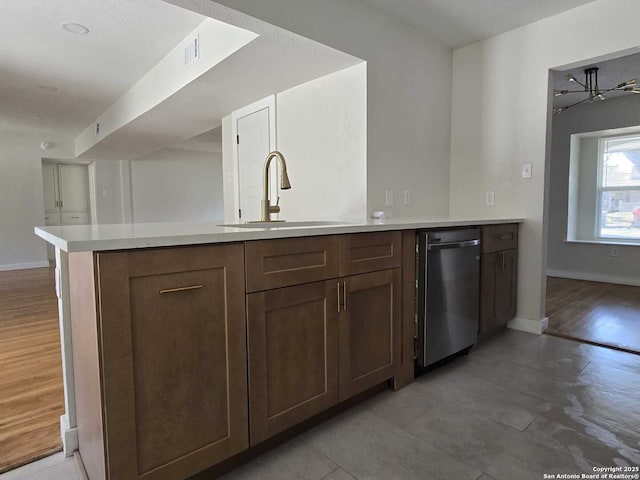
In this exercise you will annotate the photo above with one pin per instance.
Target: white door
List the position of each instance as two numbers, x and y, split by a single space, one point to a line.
254 143
73 188
50 185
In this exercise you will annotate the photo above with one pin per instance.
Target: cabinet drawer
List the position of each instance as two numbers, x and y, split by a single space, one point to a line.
290 261
369 252
81 218
52 218
499 237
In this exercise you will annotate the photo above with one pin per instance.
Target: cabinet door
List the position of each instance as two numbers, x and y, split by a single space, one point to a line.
293 356
74 195
173 346
50 186
507 286
498 289
369 322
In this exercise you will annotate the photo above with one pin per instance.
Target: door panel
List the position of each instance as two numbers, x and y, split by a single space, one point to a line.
253 146
173 342
293 356
73 188
506 286
369 330
50 185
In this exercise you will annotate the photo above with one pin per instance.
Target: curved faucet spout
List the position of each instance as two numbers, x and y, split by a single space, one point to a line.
285 184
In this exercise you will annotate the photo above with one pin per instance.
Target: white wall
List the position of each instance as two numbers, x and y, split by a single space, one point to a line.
22 207
499 120
21 197
586 260
322 130
408 93
110 195
175 185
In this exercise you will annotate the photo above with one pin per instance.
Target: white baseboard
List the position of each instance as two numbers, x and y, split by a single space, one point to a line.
594 277
529 325
24 266
69 436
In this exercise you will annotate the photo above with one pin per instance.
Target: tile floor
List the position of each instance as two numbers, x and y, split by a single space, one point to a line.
517 407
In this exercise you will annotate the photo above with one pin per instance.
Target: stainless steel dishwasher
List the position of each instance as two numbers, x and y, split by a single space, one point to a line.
448 293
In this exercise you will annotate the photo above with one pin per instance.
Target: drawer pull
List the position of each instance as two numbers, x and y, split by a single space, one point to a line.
180 289
75 217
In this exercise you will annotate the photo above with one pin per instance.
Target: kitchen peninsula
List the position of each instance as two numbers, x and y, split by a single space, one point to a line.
186 344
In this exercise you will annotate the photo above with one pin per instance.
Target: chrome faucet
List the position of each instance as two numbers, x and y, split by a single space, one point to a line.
266 207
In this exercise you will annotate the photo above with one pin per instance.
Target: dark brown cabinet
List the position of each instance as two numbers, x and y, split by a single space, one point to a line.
369 319
293 355
498 277
317 343
172 361
186 356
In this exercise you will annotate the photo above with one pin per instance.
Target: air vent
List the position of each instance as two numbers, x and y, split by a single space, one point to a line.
192 50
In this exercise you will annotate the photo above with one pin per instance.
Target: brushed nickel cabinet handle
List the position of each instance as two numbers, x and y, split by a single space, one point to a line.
344 296
338 291
180 289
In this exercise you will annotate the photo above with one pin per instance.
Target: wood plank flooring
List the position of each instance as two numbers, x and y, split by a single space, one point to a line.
31 392
599 313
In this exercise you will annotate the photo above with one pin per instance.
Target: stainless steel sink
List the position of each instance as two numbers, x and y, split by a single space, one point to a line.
283 224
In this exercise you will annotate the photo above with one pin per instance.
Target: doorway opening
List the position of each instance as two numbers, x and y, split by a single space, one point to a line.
593 235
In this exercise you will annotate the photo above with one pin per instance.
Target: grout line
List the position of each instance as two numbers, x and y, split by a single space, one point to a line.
531 423
338 467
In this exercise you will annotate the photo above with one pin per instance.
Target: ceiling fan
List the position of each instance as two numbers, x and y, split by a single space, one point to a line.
591 88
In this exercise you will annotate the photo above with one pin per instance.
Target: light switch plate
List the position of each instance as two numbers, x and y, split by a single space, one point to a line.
407 197
490 198
526 170
388 198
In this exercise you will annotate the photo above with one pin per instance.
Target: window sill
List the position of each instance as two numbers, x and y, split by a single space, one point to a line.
608 241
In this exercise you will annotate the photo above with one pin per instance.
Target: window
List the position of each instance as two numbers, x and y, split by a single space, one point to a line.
618 211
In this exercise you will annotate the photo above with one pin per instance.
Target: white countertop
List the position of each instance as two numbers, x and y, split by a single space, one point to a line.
85 238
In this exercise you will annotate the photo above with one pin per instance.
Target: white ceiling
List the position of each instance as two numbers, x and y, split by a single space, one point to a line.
207 142
456 23
274 62
127 37
610 74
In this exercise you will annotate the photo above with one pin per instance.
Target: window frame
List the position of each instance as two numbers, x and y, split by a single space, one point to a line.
600 188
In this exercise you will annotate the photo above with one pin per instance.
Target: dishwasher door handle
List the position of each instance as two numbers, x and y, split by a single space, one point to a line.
442 246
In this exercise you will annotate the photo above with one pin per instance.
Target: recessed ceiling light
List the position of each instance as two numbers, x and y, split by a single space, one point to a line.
76 28
37 117
48 88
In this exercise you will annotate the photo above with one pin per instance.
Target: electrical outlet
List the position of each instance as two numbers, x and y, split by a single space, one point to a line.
527 170
490 198
407 197
388 198
614 252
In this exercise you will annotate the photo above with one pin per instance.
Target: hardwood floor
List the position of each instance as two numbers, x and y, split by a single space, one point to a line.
31 392
599 313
